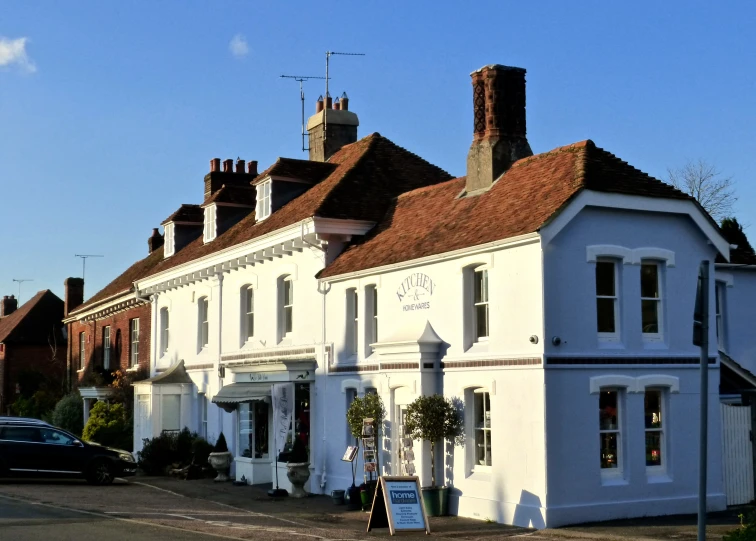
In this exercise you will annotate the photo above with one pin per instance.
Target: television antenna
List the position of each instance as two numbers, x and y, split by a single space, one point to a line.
301 79
20 281
84 262
329 54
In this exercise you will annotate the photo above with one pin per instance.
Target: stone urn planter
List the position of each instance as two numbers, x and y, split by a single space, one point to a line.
298 474
222 464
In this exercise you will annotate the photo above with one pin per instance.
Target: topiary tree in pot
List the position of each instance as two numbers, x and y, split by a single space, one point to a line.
369 406
220 459
433 419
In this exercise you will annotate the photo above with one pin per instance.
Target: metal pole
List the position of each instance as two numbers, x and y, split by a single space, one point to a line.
704 401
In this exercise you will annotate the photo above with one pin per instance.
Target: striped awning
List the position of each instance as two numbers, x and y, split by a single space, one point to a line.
236 393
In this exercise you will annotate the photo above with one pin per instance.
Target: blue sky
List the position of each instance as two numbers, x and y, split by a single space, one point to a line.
111 111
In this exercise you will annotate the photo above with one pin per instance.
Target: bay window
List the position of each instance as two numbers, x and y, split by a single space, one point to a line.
254 429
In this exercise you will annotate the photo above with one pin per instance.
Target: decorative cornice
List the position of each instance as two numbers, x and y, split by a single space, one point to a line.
683 361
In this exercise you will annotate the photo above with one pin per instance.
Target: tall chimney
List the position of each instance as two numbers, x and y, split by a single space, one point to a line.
499 137
155 241
74 294
340 123
8 305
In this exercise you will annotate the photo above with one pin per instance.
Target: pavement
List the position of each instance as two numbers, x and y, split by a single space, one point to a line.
203 509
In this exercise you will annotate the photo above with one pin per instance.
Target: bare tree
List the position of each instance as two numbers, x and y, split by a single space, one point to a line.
705 183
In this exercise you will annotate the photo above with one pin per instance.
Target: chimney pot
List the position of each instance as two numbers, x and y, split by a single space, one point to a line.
344 102
319 104
74 293
252 167
239 165
8 305
228 166
214 165
328 102
336 104
155 241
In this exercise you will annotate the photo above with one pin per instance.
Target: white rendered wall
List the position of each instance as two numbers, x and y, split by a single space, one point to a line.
739 314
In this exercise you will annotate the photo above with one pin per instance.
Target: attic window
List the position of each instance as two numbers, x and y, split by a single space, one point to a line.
210 229
170 243
262 210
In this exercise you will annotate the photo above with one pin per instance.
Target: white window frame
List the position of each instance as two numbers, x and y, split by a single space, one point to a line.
82 350
619 471
204 405
285 317
169 246
247 313
134 342
657 336
106 347
163 410
164 330
662 430
485 429
263 191
353 320
371 316
481 272
203 322
720 307
609 336
210 230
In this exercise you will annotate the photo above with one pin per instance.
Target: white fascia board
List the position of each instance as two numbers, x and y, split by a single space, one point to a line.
99 306
341 227
511 242
589 198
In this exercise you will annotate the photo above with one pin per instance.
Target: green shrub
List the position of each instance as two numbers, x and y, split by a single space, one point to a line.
109 425
69 414
747 530
220 444
170 448
201 449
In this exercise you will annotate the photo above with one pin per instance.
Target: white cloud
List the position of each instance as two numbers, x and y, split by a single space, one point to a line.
13 51
238 46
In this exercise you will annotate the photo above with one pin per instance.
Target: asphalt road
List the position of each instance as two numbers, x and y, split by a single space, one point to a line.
23 521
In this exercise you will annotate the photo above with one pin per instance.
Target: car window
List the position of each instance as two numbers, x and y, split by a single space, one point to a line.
21 433
55 437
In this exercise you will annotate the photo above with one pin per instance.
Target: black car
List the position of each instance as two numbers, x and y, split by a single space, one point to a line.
35 448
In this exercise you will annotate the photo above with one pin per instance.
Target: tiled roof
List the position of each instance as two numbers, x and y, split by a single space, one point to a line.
434 220
298 169
240 195
364 178
35 321
186 213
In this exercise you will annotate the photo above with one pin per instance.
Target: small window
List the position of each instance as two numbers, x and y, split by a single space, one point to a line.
204 403
203 331
287 306
263 200
371 326
170 242
134 331
253 429
171 414
607 300
248 323
610 430
653 413
82 349
720 310
106 348
480 301
651 309
353 320
210 229
164 330
482 428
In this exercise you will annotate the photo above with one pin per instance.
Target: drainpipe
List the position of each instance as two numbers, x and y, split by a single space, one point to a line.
323 289
220 347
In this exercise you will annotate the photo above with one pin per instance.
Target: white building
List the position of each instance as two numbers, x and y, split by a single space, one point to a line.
551 295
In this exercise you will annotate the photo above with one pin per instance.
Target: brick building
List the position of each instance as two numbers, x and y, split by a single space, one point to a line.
32 341
112 329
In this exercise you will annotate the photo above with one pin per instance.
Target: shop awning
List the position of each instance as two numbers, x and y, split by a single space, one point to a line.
236 393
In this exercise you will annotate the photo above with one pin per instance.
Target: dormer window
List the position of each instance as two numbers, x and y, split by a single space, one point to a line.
262 210
170 241
210 228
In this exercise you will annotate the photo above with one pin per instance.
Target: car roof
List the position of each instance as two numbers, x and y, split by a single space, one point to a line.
22 421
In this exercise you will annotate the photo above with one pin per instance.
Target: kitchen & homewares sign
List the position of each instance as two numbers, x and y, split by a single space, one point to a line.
415 292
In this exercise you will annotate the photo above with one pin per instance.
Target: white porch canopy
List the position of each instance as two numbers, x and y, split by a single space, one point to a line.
235 393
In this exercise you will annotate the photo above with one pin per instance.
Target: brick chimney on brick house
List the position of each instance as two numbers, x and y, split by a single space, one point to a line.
499 124
155 241
331 127
74 294
8 305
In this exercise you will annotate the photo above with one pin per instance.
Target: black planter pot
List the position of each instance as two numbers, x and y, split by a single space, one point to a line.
353 498
436 501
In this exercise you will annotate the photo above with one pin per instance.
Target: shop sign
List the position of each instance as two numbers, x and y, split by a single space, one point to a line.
415 292
273 377
398 506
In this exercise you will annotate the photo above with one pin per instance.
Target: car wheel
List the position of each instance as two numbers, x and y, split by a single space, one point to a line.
100 473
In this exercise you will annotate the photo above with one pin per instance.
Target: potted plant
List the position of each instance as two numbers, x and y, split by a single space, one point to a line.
433 419
298 469
220 458
369 406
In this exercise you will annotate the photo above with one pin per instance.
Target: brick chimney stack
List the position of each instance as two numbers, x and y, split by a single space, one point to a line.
155 241
74 294
499 137
340 123
8 305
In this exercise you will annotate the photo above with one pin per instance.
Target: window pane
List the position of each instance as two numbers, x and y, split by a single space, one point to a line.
609 450
481 286
483 447
605 315
261 429
652 409
171 412
288 293
653 449
650 316
650 280
246 430
608 411
288 317
250 325
55 438
605 278
250 300
481 321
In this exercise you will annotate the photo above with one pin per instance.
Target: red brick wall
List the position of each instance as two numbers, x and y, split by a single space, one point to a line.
120 341
18 358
